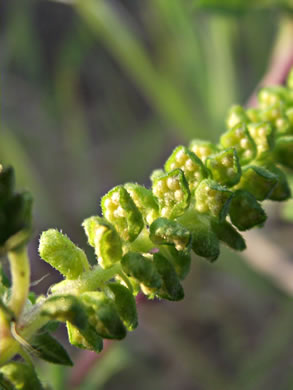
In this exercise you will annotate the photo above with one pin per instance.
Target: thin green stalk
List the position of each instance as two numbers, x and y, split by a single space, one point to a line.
20 272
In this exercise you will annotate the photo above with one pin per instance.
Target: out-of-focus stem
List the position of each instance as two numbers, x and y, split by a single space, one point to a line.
20 272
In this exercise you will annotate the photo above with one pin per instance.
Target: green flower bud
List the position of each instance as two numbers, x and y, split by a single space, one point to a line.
104 238
253 115
119 209
202 149
171 288
181 260
172 193
156 174
142 269
235 116
212 198
65 308
164 231
19 376
225 167
103 315
125 304
245 211
272 96
284 151
62 254
258 181
282 190
144 201
263 136
86 338
189 163
229 235
239 138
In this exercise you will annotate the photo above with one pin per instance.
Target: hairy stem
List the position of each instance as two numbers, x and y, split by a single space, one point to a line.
20 272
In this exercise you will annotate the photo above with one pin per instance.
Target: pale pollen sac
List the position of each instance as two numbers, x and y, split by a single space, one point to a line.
226 161
119 212
180 157
115 197
161 186
280 122
164 211
239 133
108 215
244 143
230 172
172 183
261 132
173 166
189 165
253 131
202 207
109 204
178 195
248 153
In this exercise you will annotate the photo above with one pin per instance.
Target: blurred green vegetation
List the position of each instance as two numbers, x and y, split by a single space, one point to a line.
98 95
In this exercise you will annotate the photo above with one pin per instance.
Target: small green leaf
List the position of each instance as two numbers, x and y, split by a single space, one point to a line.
245 211
62 254
258 181
171 288
229 235
49 349
282 190
142 269
284 151
181 260
87 338
19 376
125 304
164 231
119 209
103 315
65 308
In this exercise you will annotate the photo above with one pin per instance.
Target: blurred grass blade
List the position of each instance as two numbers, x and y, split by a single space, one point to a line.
122 41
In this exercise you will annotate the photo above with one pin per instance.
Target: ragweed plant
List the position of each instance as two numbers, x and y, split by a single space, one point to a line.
205 195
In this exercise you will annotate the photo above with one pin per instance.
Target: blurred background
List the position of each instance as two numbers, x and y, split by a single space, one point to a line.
94 97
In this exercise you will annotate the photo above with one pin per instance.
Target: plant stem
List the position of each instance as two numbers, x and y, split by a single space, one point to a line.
20 272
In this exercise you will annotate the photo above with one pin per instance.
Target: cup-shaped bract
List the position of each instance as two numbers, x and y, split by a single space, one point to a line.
282 190
181 260
202 149
213 199
189 163
144 201
125 304
258 181
120 210
164 231
87 338
142 269
103 315
284 151
171 288
65 308
263 136
239 138
172 193
229 235
245 211
224 167
104 238
62 254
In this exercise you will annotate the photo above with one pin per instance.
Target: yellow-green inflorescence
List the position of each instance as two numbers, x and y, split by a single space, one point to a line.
206 194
